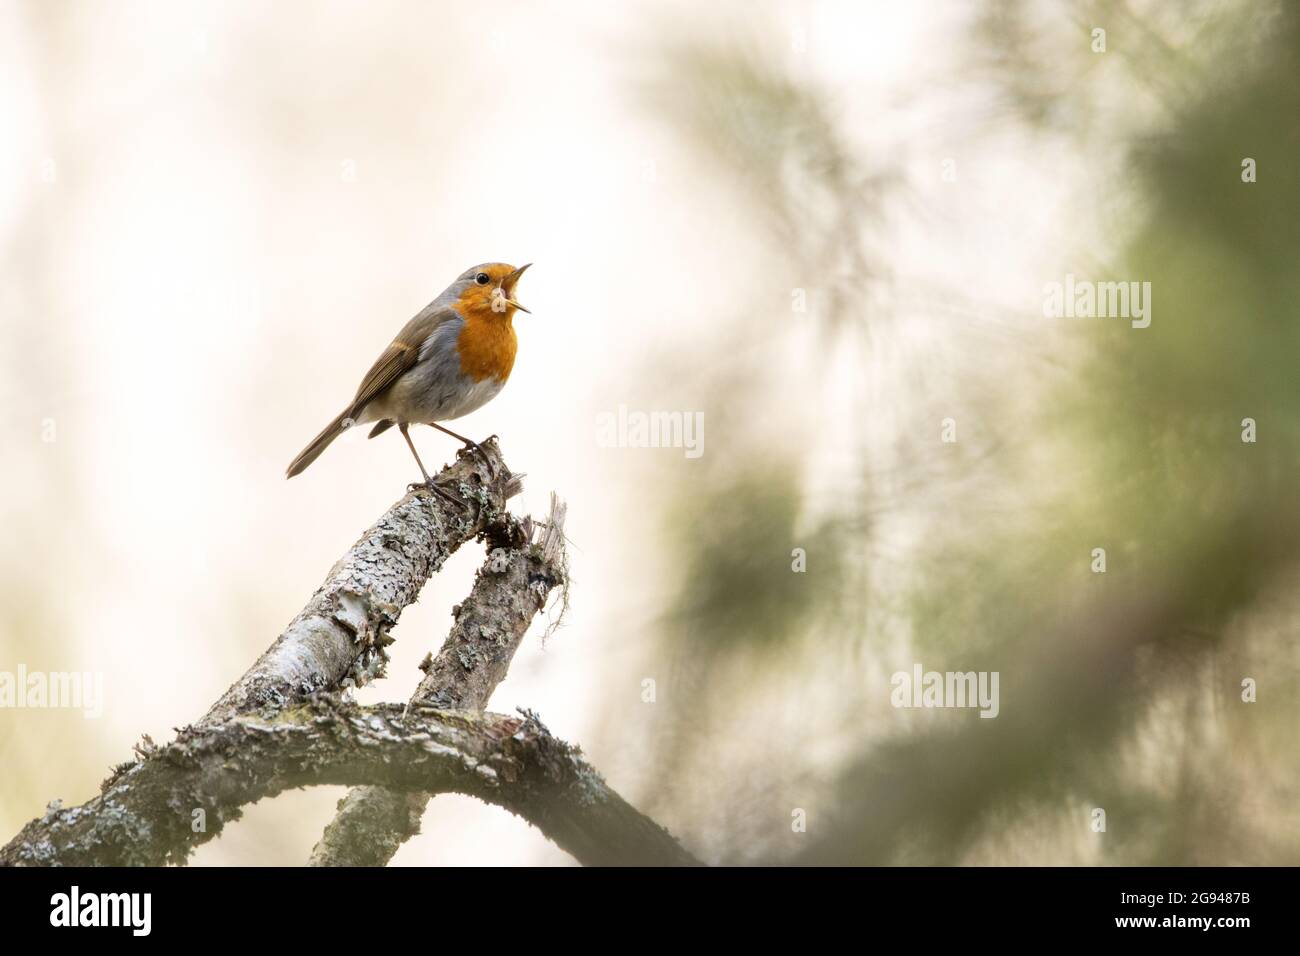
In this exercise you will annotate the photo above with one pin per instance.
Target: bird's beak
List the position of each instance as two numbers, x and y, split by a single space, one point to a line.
508 286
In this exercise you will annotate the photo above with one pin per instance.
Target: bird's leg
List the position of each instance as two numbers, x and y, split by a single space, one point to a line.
468 443
404 428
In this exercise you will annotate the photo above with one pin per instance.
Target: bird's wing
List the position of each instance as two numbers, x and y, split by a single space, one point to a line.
399 357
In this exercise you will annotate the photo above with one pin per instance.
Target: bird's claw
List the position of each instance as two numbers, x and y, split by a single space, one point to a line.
429 484
482 452
441 492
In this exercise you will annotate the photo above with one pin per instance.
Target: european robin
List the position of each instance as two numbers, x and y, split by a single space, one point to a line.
448 361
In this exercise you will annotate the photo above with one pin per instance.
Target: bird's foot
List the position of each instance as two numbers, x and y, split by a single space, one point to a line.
482 452
432 485
453 500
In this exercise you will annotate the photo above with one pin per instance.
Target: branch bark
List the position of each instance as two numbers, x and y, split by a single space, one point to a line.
144 815
342 632
286 722
511 587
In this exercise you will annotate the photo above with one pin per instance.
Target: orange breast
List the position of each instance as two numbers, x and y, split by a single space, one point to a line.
487 347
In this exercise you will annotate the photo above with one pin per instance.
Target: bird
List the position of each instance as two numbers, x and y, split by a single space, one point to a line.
451 358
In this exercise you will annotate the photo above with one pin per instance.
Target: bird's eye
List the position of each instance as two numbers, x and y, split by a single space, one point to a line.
482 278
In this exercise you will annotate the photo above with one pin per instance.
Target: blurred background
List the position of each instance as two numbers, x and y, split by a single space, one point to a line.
825 226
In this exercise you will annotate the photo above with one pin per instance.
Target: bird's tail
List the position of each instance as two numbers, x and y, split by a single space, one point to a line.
318 444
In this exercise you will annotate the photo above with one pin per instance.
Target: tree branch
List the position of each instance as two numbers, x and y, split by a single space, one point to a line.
511 587
342 632
284 723
144 816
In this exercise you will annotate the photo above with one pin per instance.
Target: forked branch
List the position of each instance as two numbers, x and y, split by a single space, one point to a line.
288 722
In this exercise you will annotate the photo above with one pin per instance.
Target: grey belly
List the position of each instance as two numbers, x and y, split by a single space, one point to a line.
431 392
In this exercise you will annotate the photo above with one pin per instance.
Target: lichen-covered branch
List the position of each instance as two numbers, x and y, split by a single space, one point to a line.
343 630
145 815
287 723
511 587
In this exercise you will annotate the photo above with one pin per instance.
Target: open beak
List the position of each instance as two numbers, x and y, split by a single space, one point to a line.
508 286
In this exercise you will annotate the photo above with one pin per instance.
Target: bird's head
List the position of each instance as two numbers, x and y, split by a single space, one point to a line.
488 290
